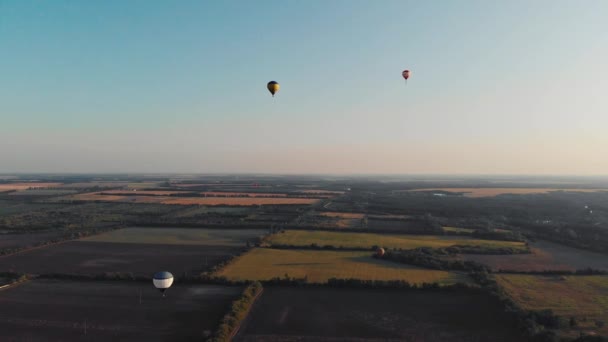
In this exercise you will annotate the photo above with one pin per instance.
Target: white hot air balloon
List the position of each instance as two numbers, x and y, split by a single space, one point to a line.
162 281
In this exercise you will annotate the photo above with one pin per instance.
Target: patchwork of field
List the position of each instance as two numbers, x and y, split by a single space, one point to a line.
490 192
91 258
393 241
319 266
325 314
545 256
180 236
51 310
212 201
583 297
26 186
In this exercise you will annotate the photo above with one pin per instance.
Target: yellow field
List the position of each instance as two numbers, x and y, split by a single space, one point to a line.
367 240
458 230
490 192
582 297
319 266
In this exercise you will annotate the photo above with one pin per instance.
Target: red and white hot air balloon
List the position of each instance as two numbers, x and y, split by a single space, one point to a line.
406 74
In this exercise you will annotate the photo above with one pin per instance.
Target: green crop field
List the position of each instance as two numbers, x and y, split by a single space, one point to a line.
319 266
367 240
180 236
582 297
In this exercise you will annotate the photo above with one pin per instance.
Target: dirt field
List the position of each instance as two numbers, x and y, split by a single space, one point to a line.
367 240
490 192
319 266
51 310
545 256
582 297
300 314
25 240
85 257
180 236
26 185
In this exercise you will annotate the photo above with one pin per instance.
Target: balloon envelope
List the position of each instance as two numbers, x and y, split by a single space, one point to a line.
380 252
406 74
273 87
162 280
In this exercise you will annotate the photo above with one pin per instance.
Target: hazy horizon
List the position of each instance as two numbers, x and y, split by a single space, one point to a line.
510 88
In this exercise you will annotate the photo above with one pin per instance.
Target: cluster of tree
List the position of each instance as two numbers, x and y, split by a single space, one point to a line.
586 271
498 235
465 249
430 258
239 310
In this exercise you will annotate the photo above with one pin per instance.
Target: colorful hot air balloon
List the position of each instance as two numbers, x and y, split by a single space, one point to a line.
273 87
380 252
162 281
406 74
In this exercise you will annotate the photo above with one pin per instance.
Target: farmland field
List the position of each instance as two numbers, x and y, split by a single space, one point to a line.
357 216
145 192
243 201
85 257
403 226
43 192
319 266
582 297
325 314
458 230
490 192
51 310
25 240
241 194
26 185
545 256
367 240
180 236
226 201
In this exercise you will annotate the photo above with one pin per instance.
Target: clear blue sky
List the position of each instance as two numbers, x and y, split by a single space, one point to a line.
179 86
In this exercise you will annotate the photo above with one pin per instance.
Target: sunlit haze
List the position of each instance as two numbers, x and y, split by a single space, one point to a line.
511 87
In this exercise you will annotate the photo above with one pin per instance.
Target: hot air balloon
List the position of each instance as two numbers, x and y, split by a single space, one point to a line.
273 87
162 281
406 75
380 252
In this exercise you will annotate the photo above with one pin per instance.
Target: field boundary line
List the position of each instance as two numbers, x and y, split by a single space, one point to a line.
238 328
11 285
